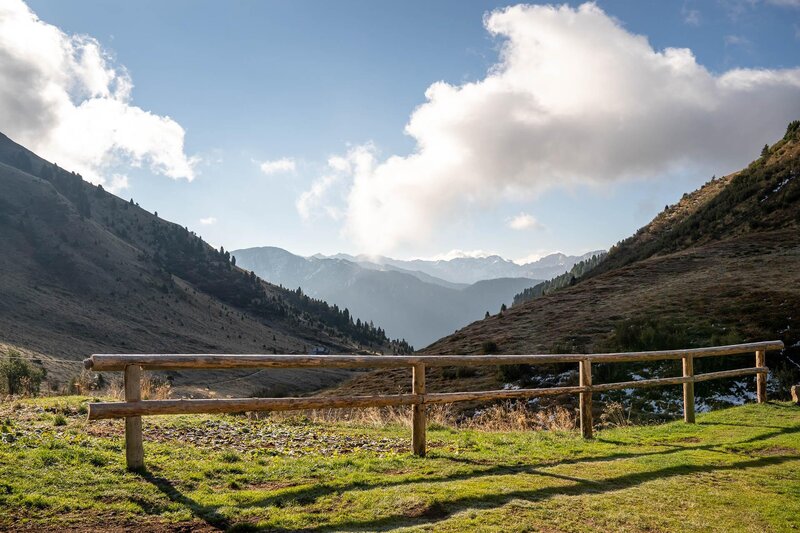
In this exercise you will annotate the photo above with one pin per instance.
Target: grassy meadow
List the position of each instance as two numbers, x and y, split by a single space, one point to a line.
737 469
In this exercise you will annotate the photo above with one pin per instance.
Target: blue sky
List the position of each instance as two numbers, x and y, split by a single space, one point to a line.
250 82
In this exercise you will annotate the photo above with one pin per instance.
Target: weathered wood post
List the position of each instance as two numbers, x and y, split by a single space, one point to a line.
761 378
418 416
134 452
688 389
585 380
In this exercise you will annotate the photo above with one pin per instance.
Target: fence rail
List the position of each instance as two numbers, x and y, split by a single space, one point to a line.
133 408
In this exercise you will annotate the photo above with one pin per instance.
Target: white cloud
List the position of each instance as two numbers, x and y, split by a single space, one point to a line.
691 17
208 221
524 221
737 40
317 200
277 166
460 254
310 202
574 99
119 182
63 97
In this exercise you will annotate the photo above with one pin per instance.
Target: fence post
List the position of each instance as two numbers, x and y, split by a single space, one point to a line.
418 418
761 378
688 389
134 452
585 380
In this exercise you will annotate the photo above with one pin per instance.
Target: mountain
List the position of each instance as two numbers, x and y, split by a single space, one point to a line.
410 305
721 265
83 271
469 270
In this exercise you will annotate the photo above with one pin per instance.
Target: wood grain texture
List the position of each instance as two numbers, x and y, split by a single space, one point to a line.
98 411
761 379
688 389
585 403
110 362
134 449
418 416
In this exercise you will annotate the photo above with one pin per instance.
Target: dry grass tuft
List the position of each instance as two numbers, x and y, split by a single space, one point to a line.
519 416
502 417
614 416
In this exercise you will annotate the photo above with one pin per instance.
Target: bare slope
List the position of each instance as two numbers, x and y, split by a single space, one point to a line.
84 271
722 264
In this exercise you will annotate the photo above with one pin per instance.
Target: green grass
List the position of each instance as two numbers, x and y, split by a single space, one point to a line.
735 470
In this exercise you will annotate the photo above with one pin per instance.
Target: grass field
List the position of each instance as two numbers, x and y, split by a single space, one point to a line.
735 470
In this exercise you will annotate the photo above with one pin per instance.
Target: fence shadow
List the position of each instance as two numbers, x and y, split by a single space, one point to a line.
206 513
445 508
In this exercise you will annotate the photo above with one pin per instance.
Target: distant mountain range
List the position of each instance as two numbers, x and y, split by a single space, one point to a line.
417 300
469 270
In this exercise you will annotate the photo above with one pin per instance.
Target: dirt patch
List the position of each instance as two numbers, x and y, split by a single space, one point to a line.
423 510
776 450
110 524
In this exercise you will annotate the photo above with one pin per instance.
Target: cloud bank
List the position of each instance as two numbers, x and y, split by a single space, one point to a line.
574 99
63 97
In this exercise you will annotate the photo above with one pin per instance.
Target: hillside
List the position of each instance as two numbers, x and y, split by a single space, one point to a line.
720 267
209 473
410 305
723 263
84 271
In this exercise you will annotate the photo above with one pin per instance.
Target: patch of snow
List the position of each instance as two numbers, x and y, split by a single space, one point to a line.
781 184
510 386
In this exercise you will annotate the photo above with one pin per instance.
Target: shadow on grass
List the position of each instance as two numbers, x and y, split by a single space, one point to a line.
444 508
308 495
206 513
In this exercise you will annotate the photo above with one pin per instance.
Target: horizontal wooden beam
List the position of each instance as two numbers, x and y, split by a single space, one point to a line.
102 362
733 349
731 373
450 397
98 411
640 383
104 410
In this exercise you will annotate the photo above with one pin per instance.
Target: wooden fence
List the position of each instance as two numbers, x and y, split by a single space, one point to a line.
134 407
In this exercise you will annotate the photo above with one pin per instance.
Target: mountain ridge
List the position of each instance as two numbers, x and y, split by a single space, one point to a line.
469 270
406 303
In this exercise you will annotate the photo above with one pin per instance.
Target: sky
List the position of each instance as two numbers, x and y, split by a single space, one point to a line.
409 129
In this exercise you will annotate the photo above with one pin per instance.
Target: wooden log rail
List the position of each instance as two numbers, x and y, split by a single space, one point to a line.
133 408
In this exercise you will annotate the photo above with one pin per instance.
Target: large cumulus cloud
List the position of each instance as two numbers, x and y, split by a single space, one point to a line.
62 96
574 98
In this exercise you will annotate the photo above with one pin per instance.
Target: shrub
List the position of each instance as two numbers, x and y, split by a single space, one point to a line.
489 347
18 376
508 373
458 372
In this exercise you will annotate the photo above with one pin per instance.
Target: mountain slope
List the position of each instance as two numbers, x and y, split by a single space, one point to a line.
399 300
722 264
84 271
